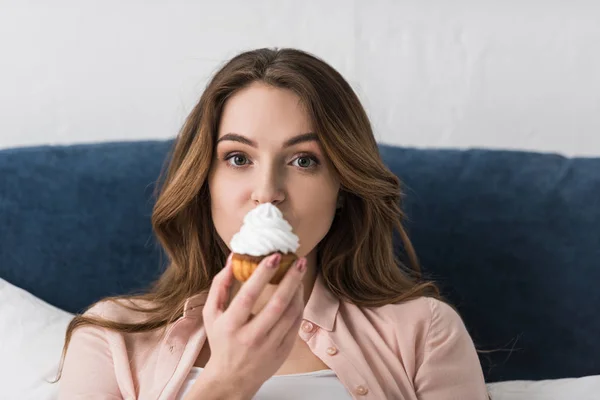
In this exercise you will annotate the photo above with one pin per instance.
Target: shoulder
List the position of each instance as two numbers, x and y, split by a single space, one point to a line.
426 309
119 310
422 313
423 318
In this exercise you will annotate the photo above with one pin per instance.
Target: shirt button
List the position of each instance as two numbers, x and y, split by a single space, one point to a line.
361 390
332 351
307 327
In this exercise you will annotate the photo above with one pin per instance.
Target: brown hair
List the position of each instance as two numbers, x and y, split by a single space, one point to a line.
356 258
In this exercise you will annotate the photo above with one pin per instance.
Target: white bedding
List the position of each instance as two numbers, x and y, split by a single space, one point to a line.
31 339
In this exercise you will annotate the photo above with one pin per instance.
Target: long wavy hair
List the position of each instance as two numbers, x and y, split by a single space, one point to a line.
356 258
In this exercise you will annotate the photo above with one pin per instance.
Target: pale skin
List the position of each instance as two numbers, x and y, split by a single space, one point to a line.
266 152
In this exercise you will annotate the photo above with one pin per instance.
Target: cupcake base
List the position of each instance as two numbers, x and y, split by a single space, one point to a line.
243 266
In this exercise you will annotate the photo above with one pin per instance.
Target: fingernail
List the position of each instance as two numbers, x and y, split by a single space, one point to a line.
274 262
301 265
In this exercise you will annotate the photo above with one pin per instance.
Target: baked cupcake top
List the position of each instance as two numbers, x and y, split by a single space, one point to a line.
263 232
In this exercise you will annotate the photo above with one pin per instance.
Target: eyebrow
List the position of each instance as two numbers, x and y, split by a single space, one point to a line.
236 137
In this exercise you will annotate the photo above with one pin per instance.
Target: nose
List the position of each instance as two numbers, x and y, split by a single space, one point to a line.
268 188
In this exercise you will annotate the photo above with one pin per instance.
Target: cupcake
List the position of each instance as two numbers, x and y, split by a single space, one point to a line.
263 233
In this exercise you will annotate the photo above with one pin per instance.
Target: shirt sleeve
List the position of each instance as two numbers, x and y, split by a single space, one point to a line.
88 370
449 367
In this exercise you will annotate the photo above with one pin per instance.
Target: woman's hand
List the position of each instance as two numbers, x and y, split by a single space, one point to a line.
246 351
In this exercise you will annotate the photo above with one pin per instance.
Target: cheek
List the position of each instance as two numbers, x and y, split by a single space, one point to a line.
226 201
315 210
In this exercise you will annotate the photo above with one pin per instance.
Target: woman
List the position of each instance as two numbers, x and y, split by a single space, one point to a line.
350 320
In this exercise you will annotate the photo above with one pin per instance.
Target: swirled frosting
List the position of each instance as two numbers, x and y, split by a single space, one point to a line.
264 231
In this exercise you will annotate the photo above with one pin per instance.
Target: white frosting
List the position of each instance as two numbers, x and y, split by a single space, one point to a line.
264 231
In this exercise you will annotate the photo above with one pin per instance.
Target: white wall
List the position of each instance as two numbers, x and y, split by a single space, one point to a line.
500 74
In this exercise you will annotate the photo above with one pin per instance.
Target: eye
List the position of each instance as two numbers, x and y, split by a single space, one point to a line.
306 162
236 160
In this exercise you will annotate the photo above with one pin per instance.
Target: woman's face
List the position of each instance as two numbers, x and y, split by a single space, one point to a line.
266 152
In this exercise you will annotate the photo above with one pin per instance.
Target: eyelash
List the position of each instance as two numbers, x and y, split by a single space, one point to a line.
229 156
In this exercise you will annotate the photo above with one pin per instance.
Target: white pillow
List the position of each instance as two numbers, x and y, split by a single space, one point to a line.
32 333
586 388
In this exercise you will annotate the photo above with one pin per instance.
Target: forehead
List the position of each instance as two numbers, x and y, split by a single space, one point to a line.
263 111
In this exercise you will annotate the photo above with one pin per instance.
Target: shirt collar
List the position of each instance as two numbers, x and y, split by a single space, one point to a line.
321 308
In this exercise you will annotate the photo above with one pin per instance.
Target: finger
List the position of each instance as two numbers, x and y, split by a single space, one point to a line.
266 319
218 293
240 308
